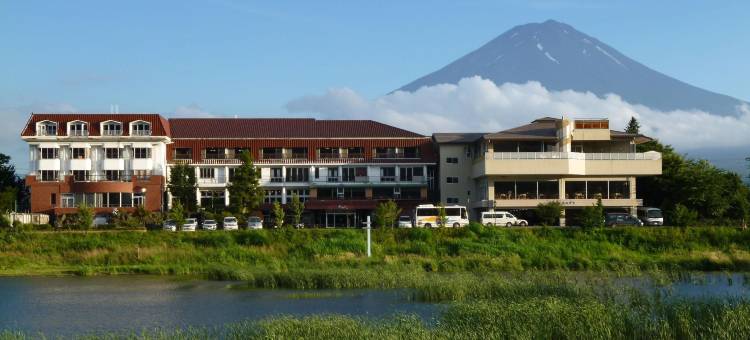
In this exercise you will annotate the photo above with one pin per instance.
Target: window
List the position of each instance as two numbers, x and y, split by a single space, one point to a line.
48 153
277 175
297 174
272 153
317 172
231 173
140 129
206 173
80 175
407 174
78 153
304 194
142 153
411 152
47 129
126 199
347 175
577 148
139 199
111 153
53 199
452 160
68 200
355 152
299 153
452 180
328 152
385 153
213 153
333 174
272 196
183 153
388 174
212 198
113 175
49 175
111 129
451 200
142 174
78 129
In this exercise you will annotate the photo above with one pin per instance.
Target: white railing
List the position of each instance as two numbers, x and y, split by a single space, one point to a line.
577 155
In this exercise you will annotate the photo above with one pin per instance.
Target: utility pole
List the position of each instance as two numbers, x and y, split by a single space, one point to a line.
369 240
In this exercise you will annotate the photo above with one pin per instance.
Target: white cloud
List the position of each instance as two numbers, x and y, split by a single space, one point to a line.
479 105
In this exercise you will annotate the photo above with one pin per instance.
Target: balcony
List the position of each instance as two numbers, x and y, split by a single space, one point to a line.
79 164
519 203
142 164
112 133
367 180
48 164
213 180
568 163
145 133
78 133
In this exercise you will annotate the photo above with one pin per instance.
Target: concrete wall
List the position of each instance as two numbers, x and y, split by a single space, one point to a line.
462 170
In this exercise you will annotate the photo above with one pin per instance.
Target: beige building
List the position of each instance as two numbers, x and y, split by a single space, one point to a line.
574 162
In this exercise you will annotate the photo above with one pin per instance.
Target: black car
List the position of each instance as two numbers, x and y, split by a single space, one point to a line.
614 219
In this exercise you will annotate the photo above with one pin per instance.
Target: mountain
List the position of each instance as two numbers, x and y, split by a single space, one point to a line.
561 58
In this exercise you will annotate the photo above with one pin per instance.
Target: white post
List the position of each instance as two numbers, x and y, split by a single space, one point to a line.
369 248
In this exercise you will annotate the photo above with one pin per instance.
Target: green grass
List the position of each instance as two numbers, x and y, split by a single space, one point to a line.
252 255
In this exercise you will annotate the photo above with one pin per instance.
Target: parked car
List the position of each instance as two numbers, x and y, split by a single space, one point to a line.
190 224
404 222
615 219
209 225
254 222
230 223
650 216
170 225
494 218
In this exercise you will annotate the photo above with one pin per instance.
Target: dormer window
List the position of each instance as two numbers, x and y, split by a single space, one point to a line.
46 128
111 128
78 128
140 128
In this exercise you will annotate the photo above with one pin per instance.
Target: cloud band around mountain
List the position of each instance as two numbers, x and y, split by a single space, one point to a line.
479 105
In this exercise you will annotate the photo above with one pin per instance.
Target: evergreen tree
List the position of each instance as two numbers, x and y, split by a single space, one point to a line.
296 207
279 214
177 214
13 191
245 193
633 126
182 186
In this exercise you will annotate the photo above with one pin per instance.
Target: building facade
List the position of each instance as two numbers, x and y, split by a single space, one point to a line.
105 161
574 162
340 169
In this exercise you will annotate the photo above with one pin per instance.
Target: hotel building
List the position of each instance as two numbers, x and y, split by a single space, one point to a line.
574 162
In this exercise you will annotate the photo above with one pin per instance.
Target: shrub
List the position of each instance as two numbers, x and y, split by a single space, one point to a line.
252 238
593 216
682 216
549 213
4 222
84 217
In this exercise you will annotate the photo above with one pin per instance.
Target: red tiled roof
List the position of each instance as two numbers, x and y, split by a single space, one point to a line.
228 128
159 125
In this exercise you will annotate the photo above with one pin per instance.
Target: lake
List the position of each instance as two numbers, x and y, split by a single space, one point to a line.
74 305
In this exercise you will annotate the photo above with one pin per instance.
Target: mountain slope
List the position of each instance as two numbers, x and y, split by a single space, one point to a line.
561 58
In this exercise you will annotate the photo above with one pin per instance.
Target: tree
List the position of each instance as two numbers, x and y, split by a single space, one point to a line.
549 213
244 190
682 216
182 186
386 213
442 215
278 213
296 207
13 191
84 216
593 216
633 126
177 214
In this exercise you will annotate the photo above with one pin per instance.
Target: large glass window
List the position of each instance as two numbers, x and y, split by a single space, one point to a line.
49 175
303 194
206 173
212 199
619 189
142 153
141 129
299 153
183 153
113 175
387 174
78 129
525 190
505 190
411 152
329 152
273 195
213 153
297 174
575 189
112 129
272 153
549 190
355 152
78 153
597 189
112 153
277 175
68 200
80 175
47 129
386 153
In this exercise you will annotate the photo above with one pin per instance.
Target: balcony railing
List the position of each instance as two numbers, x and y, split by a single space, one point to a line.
78 133
104 178
140 132
112 133
576 155
46 133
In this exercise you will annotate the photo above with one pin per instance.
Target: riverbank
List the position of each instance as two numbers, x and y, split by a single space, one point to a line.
322 258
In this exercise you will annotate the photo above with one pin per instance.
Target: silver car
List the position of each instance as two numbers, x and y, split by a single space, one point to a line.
209 225
254 222
230 223
170 225
190 224
404 222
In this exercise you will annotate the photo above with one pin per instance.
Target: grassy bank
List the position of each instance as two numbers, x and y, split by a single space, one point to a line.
335 258
533 305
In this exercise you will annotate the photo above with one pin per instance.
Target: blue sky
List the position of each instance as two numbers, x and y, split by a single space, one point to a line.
251 58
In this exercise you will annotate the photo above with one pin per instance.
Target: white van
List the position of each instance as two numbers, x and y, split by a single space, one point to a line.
493 218
650 216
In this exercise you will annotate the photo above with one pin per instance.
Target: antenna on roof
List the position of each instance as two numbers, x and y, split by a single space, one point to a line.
117 108
111 108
